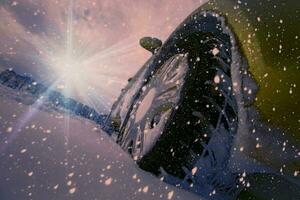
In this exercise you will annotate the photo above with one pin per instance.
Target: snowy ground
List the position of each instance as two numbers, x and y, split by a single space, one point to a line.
45 156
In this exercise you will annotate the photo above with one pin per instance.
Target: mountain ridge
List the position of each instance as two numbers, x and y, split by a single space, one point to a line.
37 92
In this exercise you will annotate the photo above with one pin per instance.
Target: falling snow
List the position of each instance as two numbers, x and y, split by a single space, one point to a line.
87 52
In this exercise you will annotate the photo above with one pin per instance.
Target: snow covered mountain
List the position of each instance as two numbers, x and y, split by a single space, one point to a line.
30 92
48 155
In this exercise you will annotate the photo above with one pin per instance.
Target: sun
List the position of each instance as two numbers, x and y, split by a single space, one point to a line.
70 73
68 68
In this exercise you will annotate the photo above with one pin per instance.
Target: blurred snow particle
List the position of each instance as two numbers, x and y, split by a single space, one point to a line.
72 190
244 174
258 19
217 79
215 51
134 176
14 3
108 181
135 158
170 194
9 129
48 131
242 149
69 183
194 170
146 189
56 187
23 151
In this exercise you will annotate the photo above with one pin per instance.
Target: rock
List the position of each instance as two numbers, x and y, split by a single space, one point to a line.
151 44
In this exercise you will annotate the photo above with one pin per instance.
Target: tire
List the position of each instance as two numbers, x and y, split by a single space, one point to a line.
182 95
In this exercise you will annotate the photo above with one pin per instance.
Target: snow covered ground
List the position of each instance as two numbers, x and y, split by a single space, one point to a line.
44 155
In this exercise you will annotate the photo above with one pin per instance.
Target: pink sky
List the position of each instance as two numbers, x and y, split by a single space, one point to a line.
106 37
